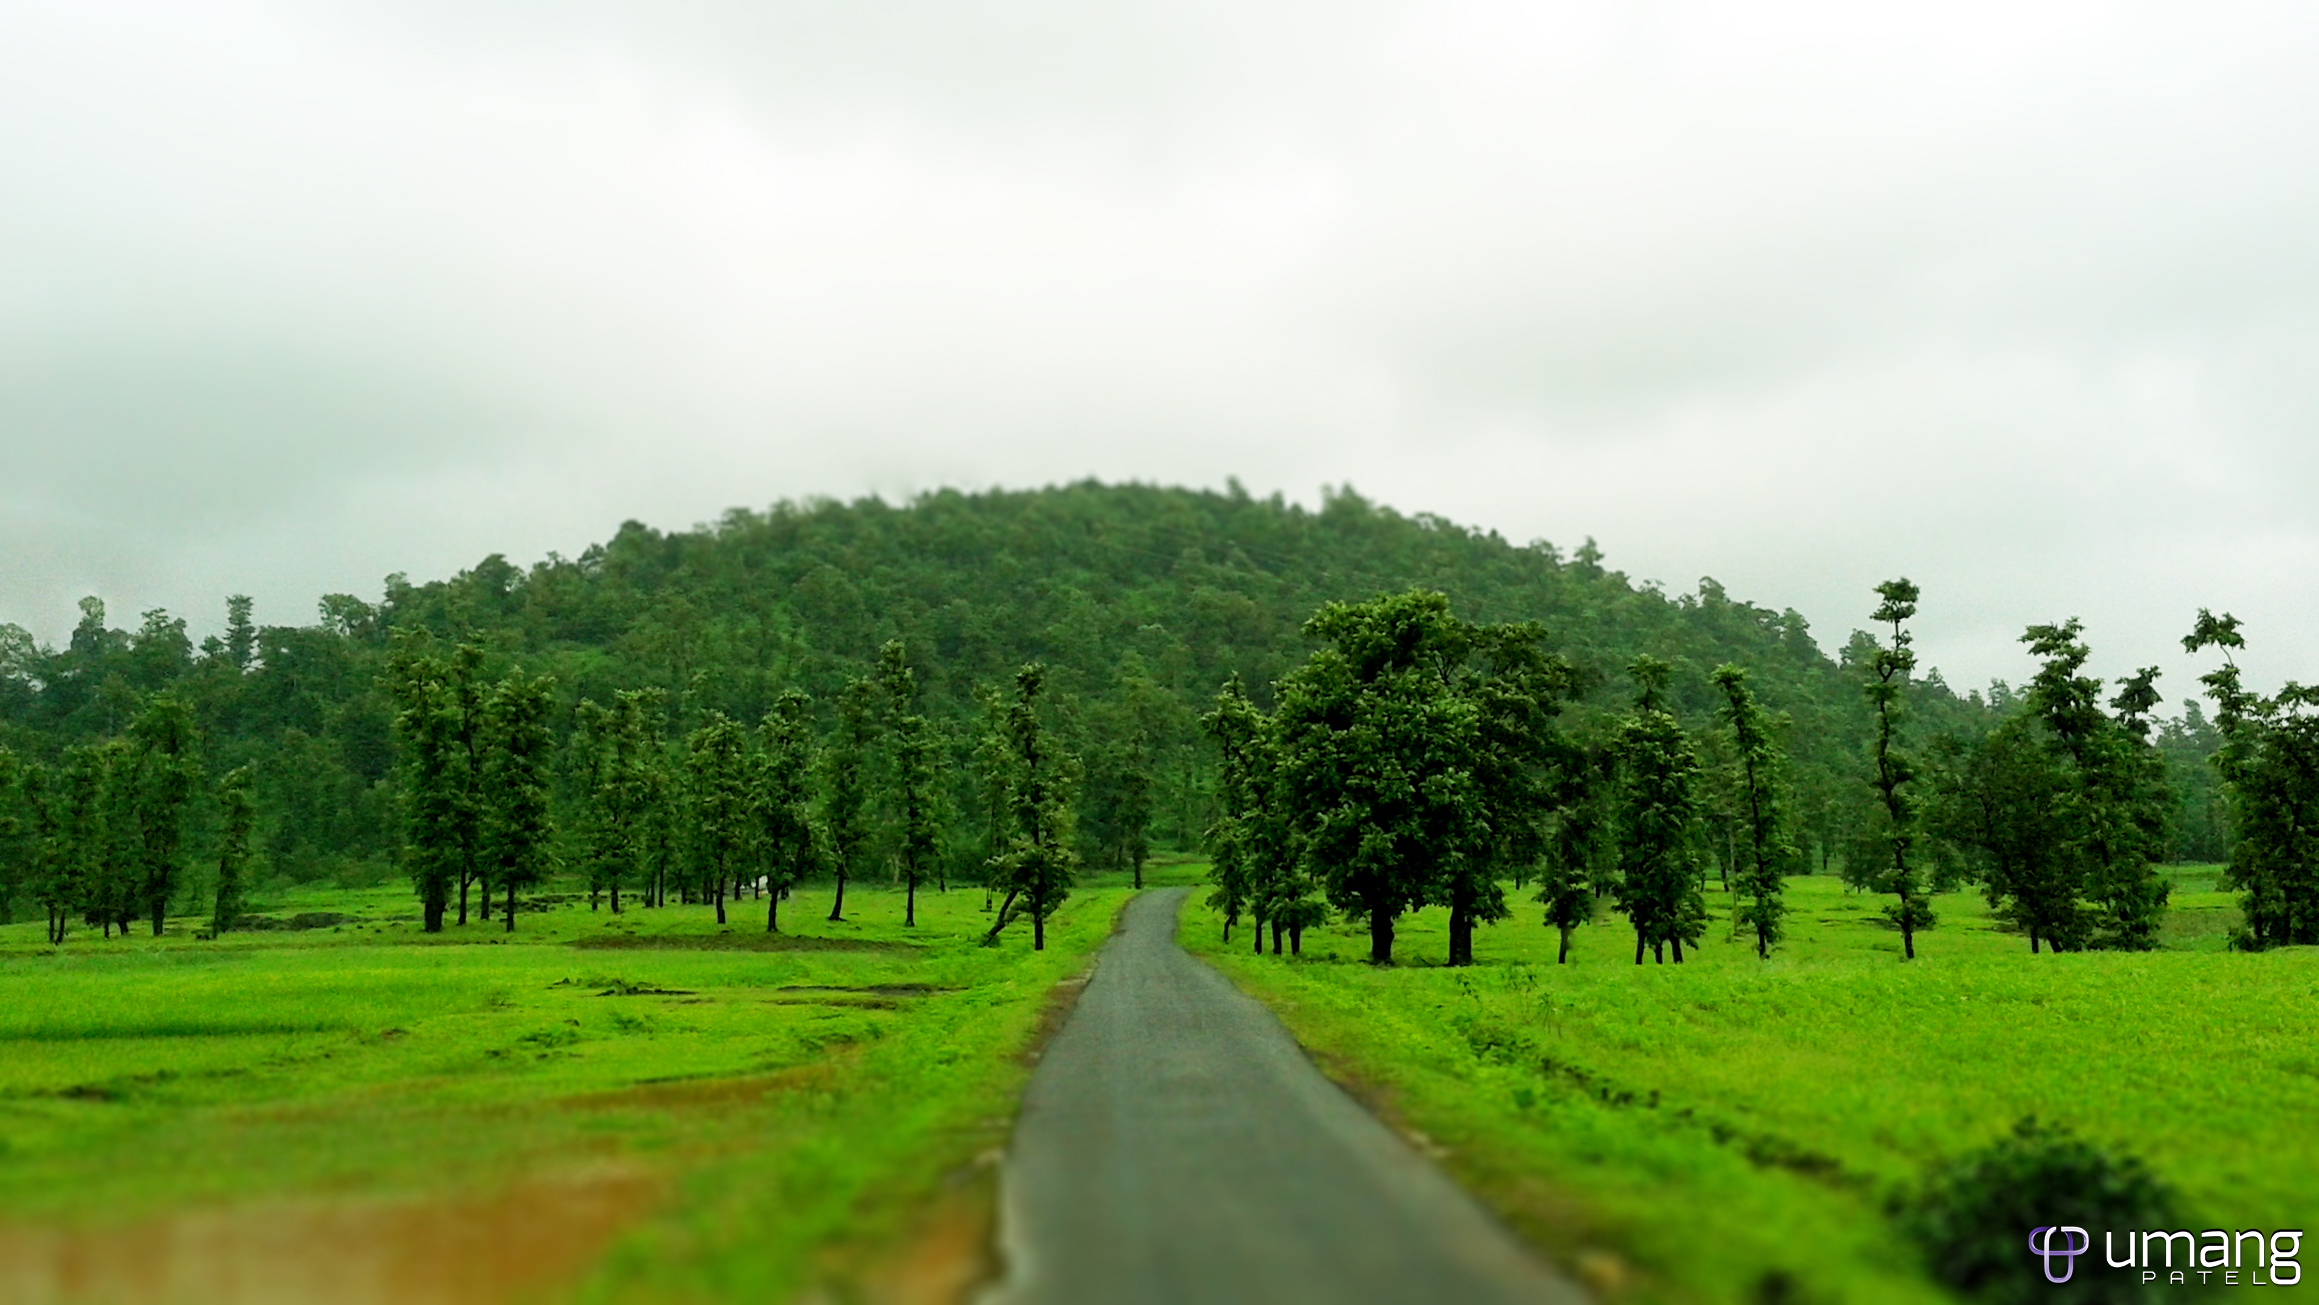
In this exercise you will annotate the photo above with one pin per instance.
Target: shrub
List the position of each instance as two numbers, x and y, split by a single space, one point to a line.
1974 1217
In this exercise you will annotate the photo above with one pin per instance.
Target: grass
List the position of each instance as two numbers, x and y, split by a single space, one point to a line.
740 1116
1734 1129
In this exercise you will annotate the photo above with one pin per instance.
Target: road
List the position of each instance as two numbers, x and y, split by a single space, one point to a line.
1177 1146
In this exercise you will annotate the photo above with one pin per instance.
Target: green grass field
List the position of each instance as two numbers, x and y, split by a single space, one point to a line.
603 1107
1733 1129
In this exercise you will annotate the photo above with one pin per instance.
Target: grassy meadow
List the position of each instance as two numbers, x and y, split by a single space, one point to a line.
1734 1129
599 1107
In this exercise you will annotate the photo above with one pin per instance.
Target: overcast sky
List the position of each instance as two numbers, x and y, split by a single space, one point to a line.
2018 300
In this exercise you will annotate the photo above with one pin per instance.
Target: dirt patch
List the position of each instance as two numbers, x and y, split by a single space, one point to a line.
738 942
948 1256
519 1243
872 989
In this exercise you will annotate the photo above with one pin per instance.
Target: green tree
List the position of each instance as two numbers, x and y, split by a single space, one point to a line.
2269 763
718 800
1037 866
438 727
1238 842
1575 871
2114 807
917 790
238 816
2001 797
518 832
1377 759
623 790
1658 805
1766 850
163 779
847 810
782 801
241 634
1519 756
1884 865
15 835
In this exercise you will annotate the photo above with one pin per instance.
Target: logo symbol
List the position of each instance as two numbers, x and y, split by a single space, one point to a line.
2075 1242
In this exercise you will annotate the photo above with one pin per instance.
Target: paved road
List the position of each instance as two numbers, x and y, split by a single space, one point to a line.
1177 1146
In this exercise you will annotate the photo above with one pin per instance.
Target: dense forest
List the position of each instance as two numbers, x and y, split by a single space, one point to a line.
905 629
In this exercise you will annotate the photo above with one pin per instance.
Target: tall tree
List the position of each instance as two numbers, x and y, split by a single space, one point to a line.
1519 754
1658 804
2115 805
15 835
1885 865
438 727
238 816
718 802
782 801
2269 763
162 782
623 792
1377 757
518 834
1037 866
241 633
916 781
1237 840
2001 797
1766 849
1575 871
846 793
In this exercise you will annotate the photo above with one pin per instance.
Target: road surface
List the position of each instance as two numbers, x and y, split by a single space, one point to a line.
1177 1146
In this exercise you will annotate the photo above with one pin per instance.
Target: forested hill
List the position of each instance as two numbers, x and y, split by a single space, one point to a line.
1142 600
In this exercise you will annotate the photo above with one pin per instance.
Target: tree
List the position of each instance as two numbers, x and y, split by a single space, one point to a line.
518 834
1575 871
1657 804
846 793
1766 849
238 815
439 727
14 835
1036 867
623 791
2114 807
2001 798
162 781
782 801
1236 840
1517 690
1377 759
241 634
2269 763
718 804
918 830
1884 864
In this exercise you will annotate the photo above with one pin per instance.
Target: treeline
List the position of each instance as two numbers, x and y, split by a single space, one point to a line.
1137 601
1417 759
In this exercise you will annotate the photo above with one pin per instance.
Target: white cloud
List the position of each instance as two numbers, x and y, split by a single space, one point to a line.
2016 300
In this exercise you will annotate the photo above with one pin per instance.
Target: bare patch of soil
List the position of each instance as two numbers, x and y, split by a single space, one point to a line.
519 1243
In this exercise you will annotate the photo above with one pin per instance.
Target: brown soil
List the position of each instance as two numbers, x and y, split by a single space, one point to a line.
522 1243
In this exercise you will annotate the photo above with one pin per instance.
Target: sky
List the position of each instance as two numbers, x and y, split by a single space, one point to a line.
2018 300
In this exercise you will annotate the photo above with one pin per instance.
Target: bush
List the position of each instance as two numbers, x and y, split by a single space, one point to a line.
1974 1217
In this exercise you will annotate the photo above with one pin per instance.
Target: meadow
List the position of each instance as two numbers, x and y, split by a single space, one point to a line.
597 1107
1739 1130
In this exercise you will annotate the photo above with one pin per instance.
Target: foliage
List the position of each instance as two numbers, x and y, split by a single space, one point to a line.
2269 763
1884 865
1973 1215
1768 851
1037 866
1658 773
239 816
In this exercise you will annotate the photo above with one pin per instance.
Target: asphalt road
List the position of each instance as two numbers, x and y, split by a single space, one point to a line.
1177 1146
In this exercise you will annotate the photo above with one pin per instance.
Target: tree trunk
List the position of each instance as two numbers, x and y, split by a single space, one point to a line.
1461 934
1038 931
837 907
463 882
720 897
510 913
615 897
910 901
1256 925
1296 940
1659 951
1277 930
433 912
160 908
1380 936
991 939
1564 957
2032 941
773 912
1678 941
1139 874
1640 943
